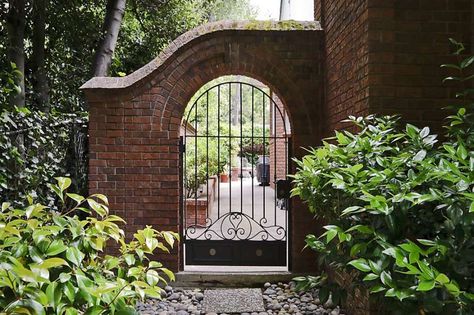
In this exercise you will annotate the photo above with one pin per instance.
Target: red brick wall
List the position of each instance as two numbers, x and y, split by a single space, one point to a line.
134 121
408 40
346 59
278 148
384 56
198 209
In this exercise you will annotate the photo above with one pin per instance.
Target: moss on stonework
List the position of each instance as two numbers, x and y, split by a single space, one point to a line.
272 25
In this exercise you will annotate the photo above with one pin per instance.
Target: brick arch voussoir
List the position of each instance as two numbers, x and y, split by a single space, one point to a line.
263 70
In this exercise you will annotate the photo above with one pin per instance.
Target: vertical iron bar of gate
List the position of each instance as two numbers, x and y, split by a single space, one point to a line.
218 151
287 165
253 159
207 155
288 217
182 211
195 162
287 150
184 195
275 139
263 168
241 137
230 146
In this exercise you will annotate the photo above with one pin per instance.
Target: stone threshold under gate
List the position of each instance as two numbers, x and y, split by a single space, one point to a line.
234 269
193 279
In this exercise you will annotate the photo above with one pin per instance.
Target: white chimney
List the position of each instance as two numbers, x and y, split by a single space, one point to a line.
285 10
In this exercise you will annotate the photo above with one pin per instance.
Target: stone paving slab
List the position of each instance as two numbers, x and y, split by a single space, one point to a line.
233 301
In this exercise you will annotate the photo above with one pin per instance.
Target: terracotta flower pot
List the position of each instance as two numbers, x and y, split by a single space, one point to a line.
224 178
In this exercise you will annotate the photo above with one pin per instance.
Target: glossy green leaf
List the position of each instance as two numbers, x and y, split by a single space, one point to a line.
386 279
55 248
53 262
33 307
426 285
360 264
370 277
169 274
63 183
330 235
5 206
152 277
419 156
352 210
69 291
77 198
71 311
169 238
442 278
74 255
101 197
377 288
97 207
94 310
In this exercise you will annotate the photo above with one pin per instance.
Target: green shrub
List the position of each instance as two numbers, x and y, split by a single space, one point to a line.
400 209
35 148
53 262
201 162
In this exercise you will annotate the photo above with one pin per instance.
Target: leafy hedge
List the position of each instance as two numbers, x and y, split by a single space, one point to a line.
38 146
400 209
53 262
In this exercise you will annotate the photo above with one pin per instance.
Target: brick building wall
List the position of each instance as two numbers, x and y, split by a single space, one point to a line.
408 40
135 120
278 147
384 56
346 59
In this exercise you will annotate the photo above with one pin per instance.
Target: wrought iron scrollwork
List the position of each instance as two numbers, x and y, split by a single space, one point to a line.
237 226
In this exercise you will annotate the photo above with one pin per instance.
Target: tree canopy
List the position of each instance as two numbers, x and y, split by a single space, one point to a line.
49 48
60 40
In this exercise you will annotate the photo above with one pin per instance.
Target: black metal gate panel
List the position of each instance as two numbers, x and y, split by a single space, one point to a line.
234 186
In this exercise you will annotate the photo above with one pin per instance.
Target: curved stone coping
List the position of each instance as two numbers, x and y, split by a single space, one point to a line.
110 83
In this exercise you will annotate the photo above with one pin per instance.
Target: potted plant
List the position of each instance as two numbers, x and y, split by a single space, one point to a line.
224 174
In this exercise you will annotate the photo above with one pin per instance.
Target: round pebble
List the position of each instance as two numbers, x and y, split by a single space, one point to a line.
279 299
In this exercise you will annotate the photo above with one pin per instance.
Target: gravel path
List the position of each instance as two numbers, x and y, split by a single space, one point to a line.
278 298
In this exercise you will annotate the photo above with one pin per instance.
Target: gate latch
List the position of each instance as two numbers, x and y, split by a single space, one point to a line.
283 187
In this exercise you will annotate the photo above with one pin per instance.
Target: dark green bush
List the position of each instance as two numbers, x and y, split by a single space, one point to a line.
38 146
400 209
53 262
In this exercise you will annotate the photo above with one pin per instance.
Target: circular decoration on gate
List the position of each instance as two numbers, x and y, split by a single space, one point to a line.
259 252
212 252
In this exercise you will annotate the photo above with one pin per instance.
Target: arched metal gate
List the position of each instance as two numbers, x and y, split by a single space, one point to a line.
234 160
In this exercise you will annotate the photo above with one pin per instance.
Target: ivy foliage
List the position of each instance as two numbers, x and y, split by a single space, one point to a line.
35 148
400 209
7 83
53 262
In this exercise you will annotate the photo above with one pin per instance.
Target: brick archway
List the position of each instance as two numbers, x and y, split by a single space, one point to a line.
134 120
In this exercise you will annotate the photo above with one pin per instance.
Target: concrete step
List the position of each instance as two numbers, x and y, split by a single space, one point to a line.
186 279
